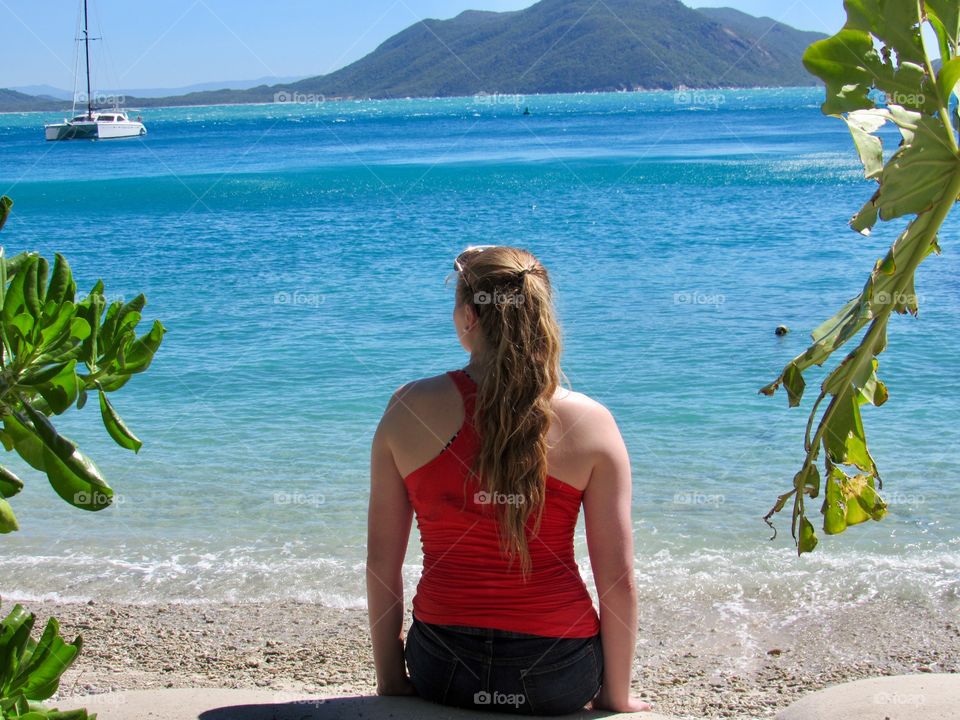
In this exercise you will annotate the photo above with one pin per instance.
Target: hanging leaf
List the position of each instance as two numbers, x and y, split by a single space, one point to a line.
115 426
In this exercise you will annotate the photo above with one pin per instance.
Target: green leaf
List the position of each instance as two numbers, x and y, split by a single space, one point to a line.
896 23
25 442
10 484
918 174
59 328
13 302
60 282
14 639
115 426
794 383
834 509
947 12
844 438
948 77
31 296
840 62
39 677
60 391
863 124
8 521
6 204
808 538
140 354
79 482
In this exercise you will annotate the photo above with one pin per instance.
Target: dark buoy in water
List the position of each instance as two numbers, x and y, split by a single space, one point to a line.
781 330
526 111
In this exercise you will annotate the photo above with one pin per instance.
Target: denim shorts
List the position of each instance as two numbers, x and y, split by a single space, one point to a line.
503 671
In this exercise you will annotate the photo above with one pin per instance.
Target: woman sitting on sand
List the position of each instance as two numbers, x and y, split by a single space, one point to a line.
502 620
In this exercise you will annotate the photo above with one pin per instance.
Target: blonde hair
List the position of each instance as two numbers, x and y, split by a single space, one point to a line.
511 293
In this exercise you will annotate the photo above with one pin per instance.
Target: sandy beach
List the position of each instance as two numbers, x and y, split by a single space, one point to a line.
729 670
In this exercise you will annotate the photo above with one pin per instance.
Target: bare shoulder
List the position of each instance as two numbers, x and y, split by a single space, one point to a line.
583 419
413 398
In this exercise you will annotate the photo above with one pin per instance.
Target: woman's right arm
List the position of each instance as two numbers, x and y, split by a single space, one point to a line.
607 512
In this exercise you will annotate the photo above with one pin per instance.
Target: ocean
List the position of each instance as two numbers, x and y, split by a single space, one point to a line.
298 252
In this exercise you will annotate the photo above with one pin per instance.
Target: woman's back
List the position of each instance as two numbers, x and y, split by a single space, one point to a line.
467 580
432 412
496 472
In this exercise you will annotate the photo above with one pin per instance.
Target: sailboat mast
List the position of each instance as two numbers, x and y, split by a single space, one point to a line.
86 42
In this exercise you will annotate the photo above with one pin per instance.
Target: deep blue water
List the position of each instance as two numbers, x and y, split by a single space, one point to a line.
297 255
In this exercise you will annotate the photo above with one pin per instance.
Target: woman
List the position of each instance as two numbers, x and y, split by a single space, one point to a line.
496 460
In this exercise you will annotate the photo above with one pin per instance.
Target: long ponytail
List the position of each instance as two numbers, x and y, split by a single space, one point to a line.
512 295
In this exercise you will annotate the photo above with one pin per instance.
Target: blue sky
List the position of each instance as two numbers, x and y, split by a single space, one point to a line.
182 42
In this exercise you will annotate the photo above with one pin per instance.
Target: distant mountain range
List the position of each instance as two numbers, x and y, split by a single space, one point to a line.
47 91
550 47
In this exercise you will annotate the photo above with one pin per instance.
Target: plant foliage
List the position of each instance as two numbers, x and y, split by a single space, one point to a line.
56 349
877 70
30 669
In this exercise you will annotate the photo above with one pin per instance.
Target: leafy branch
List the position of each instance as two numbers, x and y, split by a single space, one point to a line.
54 351
877 70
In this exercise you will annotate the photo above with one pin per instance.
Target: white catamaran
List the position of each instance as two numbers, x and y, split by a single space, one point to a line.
94 124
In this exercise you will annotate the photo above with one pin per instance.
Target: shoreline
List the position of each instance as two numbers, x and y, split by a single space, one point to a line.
261 103
745 669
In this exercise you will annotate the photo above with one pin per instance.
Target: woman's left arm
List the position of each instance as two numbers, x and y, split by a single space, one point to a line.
388 529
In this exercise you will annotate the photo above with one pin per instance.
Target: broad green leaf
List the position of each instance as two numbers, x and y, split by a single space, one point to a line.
918 173
896 23
52 656
115 426
794 383
10 484
864 221
140 354
112 383
60 391
79 483
840 61
58 329
948 77
8 521
844 438
947 13
863 124
26 443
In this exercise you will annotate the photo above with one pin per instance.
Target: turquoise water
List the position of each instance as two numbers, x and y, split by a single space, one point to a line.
297 255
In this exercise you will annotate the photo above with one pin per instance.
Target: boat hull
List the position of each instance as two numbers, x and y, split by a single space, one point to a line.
94 130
